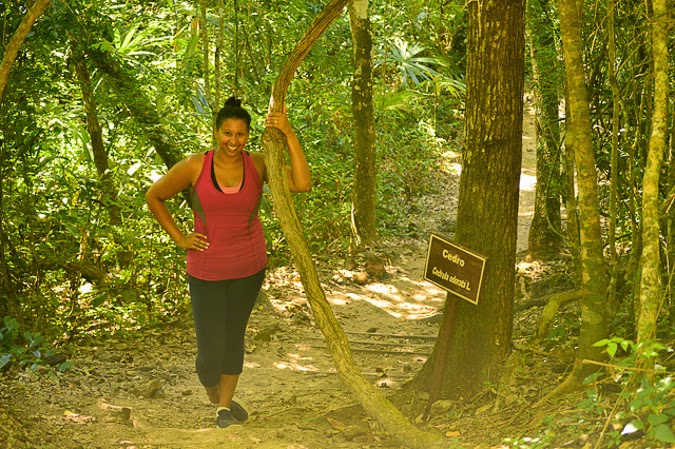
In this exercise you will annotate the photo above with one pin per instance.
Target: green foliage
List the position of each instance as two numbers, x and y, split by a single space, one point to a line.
23 349
650 408
406 58
72 272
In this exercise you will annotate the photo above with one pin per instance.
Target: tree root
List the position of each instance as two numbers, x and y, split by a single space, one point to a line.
548 314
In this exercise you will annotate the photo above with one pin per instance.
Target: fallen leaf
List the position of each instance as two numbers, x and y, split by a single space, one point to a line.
338 425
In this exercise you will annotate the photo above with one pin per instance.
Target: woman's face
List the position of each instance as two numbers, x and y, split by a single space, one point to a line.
231 136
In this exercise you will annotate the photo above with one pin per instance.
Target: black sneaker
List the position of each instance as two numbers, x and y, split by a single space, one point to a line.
239 412
225 419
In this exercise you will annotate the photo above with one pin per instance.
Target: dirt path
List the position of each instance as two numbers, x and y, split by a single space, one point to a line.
141 392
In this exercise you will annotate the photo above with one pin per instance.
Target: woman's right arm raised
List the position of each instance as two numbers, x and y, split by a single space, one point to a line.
179 178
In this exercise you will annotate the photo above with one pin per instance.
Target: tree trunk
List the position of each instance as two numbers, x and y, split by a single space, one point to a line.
12 49
108 190
544 239
487 214
140 106
217 56
614 169
594 279
206 63
5 280
650 282
364 193
274 145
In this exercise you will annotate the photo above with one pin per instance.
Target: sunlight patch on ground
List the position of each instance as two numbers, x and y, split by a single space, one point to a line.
421 302
527 182
297 362
339 301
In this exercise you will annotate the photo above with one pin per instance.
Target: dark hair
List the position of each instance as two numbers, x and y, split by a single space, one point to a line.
233 109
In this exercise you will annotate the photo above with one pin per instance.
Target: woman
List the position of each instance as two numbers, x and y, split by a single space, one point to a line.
226 252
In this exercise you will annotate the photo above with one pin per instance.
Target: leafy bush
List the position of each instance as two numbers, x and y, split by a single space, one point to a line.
23 349
650 408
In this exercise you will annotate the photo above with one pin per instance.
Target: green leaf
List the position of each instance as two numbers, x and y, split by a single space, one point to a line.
638 424
4 360
662 433
655 420
65 366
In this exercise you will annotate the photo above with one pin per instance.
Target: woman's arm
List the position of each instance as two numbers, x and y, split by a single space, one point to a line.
178 178
299 179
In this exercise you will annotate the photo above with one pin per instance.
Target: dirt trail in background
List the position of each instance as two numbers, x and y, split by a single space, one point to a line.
142 392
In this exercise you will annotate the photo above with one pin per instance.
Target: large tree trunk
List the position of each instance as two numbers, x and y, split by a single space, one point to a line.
594 279
544 239
650 283
12 49
274 145
487 214
364 192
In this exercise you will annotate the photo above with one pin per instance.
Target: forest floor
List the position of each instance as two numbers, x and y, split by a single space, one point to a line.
141 391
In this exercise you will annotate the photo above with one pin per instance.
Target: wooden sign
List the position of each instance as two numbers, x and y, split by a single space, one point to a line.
454 268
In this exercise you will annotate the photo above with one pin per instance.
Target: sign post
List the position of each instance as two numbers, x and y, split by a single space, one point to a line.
459 271
454 268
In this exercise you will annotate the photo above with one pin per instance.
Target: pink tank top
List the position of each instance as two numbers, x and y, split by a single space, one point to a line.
230 221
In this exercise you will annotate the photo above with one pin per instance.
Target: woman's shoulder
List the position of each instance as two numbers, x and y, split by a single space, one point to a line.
195 161
259 162
257 157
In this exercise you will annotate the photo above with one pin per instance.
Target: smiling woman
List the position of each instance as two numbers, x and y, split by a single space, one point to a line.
226 252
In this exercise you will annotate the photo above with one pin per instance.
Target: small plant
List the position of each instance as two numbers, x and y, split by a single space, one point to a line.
24 349
651 406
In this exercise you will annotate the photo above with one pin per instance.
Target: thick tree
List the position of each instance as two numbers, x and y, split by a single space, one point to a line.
364 192
487 213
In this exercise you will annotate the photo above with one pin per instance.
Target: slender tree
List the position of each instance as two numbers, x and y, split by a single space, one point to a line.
651 295
594 278
364 194
274 144
544 238
108 190
140 106
206 54
12 48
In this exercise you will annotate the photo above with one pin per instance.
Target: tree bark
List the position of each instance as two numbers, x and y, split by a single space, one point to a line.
487 214
206 63
651 295
364 192
544 238
594 279
12 49
274 145
137 102
108 190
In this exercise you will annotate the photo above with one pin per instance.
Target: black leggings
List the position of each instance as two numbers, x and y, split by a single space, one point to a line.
221 310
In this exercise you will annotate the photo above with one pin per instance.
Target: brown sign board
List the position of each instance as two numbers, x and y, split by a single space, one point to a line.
454 268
